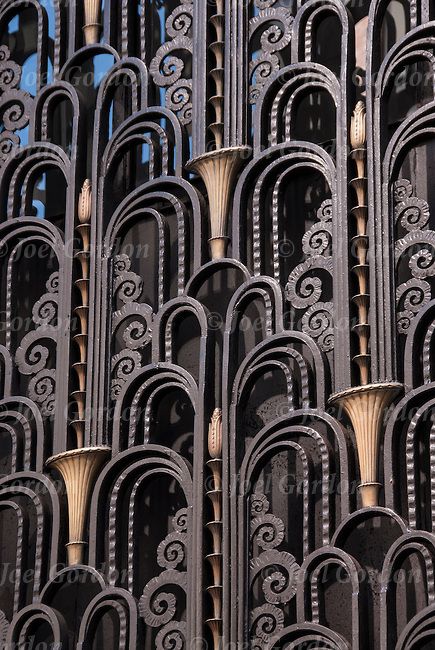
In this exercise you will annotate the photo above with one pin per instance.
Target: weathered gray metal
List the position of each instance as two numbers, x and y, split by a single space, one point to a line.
240 400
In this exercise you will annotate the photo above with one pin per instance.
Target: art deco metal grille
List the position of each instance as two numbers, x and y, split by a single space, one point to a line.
217 287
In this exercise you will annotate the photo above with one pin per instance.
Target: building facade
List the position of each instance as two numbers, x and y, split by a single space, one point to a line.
217 310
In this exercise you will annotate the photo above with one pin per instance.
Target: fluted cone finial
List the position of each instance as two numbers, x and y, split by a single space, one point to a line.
215 625
79 469
218 169
366 407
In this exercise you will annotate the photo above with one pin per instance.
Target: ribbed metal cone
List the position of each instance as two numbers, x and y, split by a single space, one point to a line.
215 591
79 469
360 186
215 561
217 74
218 22
83 258
358 153
362 330
84 230
365 407
81 340
360 245
79 430
218 50
215 528
215 465
218 169
217 129
362 301
359 156
360 213
217 102
215 626
362 273
215 497
82 285
82 312
80 370
79 396
363 362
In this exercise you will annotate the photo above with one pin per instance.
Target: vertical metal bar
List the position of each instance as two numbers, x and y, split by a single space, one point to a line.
236 72
199 78
382 309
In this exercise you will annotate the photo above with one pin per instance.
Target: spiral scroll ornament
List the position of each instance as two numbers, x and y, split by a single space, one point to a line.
34 355
168 66
276 572
272 26
305 285
132 323
414 253
15 104
159 602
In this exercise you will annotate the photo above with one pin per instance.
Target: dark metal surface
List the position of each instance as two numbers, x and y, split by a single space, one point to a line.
265 334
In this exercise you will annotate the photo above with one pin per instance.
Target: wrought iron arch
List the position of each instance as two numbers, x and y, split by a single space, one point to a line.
217 324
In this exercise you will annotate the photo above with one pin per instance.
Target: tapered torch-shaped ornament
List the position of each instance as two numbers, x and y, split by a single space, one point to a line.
367 403
79 469
366 407
218 169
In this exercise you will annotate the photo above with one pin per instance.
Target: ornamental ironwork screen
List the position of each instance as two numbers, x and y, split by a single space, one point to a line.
217 324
